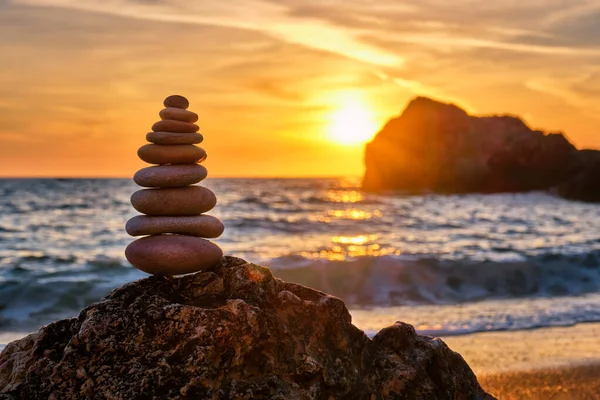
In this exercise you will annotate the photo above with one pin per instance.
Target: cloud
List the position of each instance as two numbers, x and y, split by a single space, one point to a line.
571 12
582 90
387 34
84 85
262 73
265 17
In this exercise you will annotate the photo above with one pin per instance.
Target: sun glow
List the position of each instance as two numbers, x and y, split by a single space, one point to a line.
352 123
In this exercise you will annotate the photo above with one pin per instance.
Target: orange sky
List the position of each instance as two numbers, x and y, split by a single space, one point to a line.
277 82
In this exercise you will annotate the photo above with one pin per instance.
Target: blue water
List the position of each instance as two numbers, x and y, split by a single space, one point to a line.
448 264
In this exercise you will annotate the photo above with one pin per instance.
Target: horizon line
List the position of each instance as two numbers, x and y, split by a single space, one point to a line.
213 177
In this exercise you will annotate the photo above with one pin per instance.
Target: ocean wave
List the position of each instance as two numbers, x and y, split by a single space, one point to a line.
448 293
64 285
396 280
4 229
32 297
62 245
283 224
293 202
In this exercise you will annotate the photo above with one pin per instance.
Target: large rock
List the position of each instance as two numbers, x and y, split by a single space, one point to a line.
436 147
584 185
234 332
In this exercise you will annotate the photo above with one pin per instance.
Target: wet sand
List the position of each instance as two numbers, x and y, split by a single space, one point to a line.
549 364
564 383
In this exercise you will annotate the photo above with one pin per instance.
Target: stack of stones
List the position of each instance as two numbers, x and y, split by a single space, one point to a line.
174 223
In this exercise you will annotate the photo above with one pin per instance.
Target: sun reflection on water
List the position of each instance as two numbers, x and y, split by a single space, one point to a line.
354 214
344 247
345 196
351 214
356 240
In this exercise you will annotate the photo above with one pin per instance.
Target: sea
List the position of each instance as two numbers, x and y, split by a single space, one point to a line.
448 264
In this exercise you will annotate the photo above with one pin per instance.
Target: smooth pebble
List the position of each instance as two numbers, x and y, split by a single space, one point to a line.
173 138
178 114
173 254
176 101
190 200
205 226
169 125
169 176
176 154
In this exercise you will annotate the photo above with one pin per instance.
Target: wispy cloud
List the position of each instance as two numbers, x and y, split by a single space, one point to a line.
383 34
262 72
266 17
571 11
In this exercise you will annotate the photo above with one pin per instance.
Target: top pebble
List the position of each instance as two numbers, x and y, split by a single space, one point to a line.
177 101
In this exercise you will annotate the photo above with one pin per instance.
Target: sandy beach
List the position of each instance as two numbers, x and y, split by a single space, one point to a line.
565 383
549 363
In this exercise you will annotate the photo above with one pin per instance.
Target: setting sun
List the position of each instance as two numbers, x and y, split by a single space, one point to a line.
352 123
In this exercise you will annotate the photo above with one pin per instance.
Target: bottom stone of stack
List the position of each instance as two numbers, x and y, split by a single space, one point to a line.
173 254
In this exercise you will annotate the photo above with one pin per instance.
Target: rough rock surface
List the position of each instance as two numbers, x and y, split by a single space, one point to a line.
437 147
234 332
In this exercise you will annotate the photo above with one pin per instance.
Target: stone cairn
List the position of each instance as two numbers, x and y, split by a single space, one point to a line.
174 224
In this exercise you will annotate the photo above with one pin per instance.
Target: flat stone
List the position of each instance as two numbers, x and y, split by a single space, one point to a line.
173 138
169 125
176 154
178 114
169 176
205 226
190 200
177 101
173 254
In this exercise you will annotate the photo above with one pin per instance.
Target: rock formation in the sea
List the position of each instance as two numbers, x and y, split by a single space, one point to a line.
584 185
230 332
437 147
174 224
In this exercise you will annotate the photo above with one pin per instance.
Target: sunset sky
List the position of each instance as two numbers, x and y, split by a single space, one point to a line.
282 87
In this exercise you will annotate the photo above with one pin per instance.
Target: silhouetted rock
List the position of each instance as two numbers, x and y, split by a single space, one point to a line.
234 332
437 147
585 184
